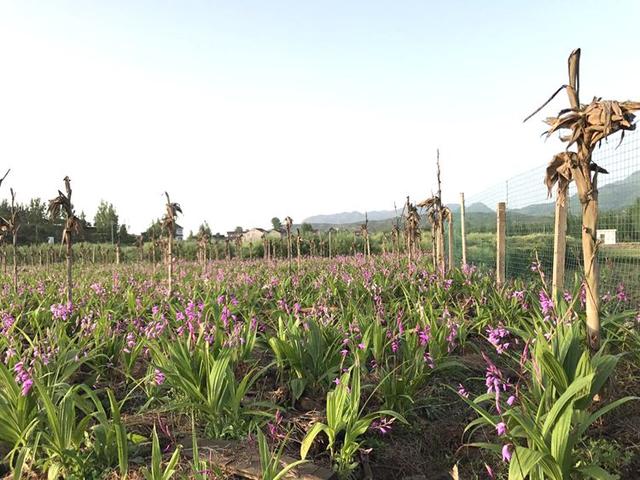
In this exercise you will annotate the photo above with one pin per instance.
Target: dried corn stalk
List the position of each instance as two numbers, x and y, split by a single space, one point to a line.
412 229
587 126
364 231
169 223
62 205
437 214
203 243
288 223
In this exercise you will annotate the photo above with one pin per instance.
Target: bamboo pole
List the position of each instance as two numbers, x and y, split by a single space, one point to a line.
462 231
501 244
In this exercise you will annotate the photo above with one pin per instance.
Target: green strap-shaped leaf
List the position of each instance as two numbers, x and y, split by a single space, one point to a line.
552 367
561 444
525 459
584 425
597 473
310 437
522 462
576 387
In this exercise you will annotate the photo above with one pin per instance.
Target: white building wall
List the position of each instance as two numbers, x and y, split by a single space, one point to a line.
607 236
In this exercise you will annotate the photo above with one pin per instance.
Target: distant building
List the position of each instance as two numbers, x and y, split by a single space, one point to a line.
179 234
253 235
607 236
276 234
233 235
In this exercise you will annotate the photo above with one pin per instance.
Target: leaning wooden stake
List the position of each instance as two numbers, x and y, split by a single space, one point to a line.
501 244
464 237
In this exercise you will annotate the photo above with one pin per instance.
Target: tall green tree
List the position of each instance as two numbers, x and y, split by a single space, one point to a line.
276 223
36 212
106 221
124 236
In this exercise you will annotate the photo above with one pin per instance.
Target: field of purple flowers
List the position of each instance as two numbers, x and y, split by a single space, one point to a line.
371 368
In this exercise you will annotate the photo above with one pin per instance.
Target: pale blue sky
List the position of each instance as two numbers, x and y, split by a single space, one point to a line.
248 109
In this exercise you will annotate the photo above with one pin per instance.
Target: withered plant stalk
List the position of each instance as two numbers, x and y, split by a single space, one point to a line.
62 205
588 125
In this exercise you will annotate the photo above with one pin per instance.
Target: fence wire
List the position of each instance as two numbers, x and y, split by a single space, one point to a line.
530 221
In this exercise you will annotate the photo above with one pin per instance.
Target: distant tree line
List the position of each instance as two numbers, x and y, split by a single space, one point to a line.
36 226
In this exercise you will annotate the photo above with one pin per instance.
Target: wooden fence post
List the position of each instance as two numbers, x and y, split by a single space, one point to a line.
559 246
501 244
464 238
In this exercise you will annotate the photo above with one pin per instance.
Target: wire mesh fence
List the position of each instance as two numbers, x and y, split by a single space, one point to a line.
530 221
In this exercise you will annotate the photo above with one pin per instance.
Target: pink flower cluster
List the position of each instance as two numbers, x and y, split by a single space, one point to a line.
23 378
61 311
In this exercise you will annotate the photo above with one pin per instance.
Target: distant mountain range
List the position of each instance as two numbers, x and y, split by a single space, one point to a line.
612 196
350 217
346 218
